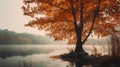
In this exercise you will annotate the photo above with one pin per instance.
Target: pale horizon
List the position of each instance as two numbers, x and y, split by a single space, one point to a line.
12 18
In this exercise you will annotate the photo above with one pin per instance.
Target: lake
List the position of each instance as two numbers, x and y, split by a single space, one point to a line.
38 55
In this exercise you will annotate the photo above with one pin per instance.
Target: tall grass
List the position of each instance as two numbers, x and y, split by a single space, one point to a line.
115 45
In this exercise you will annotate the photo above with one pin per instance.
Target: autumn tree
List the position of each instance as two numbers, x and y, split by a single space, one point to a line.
74 20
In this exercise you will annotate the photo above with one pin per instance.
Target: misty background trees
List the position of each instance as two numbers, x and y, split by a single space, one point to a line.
11 37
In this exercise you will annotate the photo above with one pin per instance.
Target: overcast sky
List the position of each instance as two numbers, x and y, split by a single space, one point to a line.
11 17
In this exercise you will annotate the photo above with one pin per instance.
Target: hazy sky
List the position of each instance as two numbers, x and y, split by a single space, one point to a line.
11 17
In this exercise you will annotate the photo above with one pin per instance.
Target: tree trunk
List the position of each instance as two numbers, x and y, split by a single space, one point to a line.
79 47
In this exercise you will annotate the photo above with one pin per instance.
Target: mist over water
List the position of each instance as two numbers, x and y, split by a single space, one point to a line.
36 55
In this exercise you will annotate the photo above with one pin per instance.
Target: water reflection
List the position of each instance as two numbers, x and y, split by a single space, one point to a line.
25 50
96 64
37 60
35 56
77 64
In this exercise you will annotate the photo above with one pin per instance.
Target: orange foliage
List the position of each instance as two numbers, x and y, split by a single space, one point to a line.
59 20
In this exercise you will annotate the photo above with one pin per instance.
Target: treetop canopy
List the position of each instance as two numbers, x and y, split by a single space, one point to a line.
58 17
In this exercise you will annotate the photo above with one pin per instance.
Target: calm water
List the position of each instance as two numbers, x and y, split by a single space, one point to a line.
35 55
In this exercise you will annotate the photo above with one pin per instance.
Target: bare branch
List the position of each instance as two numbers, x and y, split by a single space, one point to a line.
94 17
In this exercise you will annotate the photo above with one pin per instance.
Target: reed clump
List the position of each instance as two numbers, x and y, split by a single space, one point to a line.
25 64
115 45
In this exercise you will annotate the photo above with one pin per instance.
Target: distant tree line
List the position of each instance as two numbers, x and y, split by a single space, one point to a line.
10 37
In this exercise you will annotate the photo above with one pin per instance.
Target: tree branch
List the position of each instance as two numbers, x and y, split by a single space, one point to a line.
58 6
73 13
81 19
94 17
